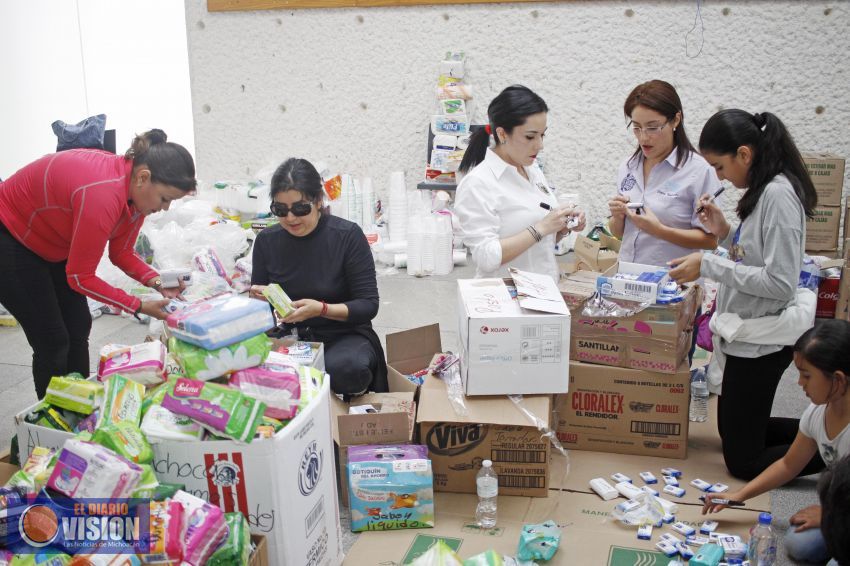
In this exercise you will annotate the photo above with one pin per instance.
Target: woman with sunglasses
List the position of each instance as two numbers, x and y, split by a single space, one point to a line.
324 264
666 175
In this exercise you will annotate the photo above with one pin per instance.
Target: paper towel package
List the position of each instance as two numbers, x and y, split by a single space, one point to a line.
220 321
85 469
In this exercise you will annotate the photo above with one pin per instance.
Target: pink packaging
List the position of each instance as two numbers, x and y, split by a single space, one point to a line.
204 528
274 382
143 363
174 530
206 259
85 469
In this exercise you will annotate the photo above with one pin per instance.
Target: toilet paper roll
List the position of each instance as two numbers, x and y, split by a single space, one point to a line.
459 257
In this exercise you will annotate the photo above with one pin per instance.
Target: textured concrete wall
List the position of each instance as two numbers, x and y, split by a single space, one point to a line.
354 87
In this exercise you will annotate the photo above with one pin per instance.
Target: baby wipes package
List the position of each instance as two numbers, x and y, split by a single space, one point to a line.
122 401
125 439
160 424
279 299
204 530
144 363
86 469
275 383
236 547
390 487
218 408
203 364
74 393
221 321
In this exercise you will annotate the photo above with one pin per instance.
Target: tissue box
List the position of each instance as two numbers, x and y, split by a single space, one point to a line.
221 321
390 487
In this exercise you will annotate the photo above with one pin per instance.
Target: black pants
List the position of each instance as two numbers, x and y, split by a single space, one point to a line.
351 361
752 439
55 318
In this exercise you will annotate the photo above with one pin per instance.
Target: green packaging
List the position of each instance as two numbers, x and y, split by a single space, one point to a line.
154 396
167 490
48 417
202 364
278 298
74 393
125 439
236 547
148 484
122 401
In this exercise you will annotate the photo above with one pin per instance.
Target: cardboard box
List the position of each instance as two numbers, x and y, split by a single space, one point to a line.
493 429
822 229
393 424
260 556
591 537
595 256
283 485
409 351
657 338
505 346
827 173
625 411
846 224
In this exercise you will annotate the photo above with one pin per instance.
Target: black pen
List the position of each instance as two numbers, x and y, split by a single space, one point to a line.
727 502
546 206
714 196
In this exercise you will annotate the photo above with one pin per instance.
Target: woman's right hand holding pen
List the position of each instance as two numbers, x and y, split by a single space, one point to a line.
554 221
712 217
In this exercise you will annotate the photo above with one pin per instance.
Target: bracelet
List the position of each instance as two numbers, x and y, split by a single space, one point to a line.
324 309
534 233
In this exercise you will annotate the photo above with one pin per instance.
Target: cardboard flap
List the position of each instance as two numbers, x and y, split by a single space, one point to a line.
538 292
434 406
413 347
392 423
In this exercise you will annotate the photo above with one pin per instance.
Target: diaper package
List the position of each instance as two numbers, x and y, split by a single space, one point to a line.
279 299
160 424
205 528
144 363
86 469
390 487
74 393
122 401
126 440
278 385
221 321
203 364
236 547
218 408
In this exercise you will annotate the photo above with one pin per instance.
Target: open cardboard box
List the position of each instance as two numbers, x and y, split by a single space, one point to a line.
592 255
409 351
494 429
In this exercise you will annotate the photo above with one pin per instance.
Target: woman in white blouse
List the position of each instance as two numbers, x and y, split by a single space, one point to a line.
508 214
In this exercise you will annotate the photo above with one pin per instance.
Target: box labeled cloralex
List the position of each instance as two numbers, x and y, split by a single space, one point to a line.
513 345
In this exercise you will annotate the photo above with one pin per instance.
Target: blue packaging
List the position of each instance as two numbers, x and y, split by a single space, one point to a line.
390 487
221 321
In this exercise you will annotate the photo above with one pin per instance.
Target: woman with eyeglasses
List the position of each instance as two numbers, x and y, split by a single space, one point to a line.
508 213
666 175
324 264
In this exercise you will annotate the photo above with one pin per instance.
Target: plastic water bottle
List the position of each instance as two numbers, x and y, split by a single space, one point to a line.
487 484
699 396
761 550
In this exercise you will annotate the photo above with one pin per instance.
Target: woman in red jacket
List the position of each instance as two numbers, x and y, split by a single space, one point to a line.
57 215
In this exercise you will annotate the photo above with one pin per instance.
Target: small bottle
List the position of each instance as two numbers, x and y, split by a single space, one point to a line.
761 550
699 396
487 484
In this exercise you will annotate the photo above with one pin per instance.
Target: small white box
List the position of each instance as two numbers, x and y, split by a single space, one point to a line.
718 488
627 490
603 489
618 477
683 529
644 532
513 346
630 290
671 480
665 547
648 477
708 527
674 491
670 537
701 485
684 550
671 472
649 490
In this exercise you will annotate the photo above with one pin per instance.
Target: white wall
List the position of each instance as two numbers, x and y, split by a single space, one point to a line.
354 87
66 60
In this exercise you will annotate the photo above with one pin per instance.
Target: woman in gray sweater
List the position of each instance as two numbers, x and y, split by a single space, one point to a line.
754 152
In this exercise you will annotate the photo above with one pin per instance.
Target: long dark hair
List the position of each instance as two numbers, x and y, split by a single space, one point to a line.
297 174
169 163
827 347
511 108
662 97
773 149
834 494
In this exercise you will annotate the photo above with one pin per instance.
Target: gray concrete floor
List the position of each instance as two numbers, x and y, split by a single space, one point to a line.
406 302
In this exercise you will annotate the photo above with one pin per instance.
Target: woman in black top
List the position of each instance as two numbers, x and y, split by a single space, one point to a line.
324 264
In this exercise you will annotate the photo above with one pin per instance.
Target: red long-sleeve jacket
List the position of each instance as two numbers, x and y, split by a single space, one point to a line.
69 206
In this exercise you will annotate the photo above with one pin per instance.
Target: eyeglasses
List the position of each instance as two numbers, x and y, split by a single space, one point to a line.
648 130
297 209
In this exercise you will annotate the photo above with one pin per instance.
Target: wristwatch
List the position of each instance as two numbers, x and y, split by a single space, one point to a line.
157 284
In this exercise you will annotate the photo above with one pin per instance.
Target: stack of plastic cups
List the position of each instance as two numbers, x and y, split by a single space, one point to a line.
414 247
398 209
368 194
443 259
429 236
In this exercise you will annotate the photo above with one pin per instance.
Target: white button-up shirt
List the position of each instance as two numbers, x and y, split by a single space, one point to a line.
672 194
493 201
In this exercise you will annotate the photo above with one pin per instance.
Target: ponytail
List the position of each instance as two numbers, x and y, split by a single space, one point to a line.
169 163
476 150
511 108
774 153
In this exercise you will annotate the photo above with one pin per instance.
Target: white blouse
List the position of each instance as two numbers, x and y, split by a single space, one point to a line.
493 202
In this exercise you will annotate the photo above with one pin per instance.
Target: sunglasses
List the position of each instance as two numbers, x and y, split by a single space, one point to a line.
297 209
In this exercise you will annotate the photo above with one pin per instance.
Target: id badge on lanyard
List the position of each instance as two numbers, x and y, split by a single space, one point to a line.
736 252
